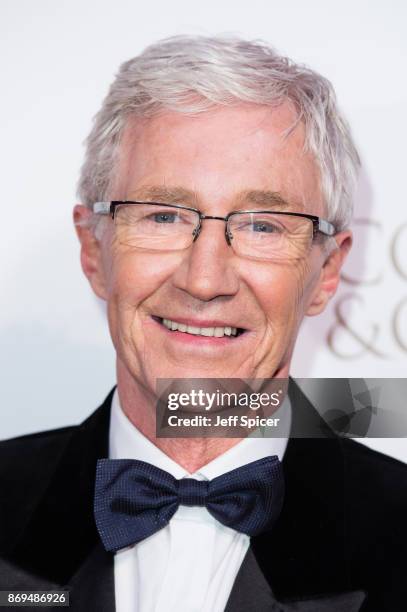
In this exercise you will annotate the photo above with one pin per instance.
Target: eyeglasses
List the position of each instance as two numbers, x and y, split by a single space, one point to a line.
258 234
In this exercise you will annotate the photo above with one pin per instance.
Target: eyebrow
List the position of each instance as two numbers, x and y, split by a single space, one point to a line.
167 195
266 199
180 195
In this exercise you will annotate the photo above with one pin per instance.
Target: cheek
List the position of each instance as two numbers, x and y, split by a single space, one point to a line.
280 291
135 276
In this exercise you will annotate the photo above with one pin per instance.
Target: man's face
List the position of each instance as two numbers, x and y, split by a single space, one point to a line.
228 159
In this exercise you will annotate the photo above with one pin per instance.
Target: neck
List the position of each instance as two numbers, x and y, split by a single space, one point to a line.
139 405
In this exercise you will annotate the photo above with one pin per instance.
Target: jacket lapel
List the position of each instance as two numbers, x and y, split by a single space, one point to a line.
59 544
303 558
14 578
92 585
251 591
305 553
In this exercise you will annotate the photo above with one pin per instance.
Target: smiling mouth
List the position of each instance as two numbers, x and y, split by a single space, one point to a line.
208 332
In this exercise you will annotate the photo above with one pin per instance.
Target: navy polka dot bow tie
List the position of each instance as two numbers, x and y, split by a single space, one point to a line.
134 499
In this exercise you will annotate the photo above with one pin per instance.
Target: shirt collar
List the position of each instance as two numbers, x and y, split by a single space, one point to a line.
127 442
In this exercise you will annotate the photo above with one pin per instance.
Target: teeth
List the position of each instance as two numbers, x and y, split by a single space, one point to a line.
217 332
209 331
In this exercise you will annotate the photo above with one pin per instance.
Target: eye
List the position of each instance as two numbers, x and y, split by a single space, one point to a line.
164 217
259 226
265 227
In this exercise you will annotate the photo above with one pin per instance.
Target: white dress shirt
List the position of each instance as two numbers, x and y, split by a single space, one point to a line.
191 564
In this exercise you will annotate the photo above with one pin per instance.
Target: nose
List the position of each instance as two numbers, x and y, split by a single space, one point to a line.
208 269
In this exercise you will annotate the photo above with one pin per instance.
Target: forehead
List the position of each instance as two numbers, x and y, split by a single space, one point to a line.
218 155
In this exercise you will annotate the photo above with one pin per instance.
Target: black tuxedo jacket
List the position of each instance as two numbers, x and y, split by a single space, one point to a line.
339 544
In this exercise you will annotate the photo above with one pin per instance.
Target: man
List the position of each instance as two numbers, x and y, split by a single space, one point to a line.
216 198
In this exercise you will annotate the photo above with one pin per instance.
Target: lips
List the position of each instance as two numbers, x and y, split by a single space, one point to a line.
210 329
217 332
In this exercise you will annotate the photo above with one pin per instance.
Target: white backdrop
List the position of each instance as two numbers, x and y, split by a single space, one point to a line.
57 59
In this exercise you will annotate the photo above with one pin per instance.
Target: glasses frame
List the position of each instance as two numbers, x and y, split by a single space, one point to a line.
320 226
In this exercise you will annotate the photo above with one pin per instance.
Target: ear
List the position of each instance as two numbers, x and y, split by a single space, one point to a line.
91 251
330 273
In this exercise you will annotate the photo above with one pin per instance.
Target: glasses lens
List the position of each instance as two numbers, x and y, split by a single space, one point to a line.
270 236
153 226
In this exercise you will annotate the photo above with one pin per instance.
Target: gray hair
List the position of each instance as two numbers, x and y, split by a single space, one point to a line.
194 74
